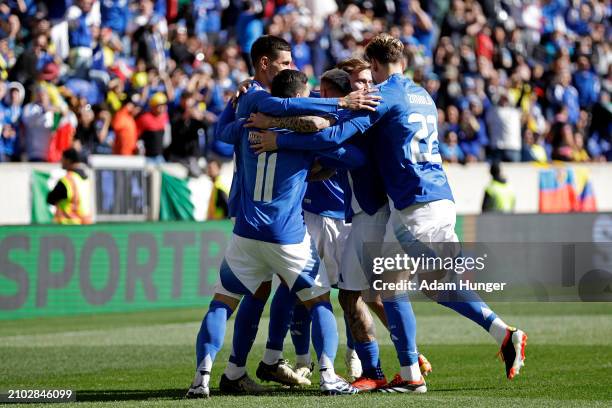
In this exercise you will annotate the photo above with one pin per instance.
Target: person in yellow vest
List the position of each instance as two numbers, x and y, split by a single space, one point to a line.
499 196
72 194
219 197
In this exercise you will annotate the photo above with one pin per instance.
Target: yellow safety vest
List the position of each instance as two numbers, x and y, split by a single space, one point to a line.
502 196
214 212
75 209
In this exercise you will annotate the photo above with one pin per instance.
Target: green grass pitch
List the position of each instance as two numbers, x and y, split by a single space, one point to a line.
147 359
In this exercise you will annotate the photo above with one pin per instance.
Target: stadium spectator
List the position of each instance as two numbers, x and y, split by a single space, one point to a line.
124 126
37 121
153 128
551 58
505 119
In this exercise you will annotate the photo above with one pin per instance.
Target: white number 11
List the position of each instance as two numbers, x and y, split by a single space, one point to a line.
263 189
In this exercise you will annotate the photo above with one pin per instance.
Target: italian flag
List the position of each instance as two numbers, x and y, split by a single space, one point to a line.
183 199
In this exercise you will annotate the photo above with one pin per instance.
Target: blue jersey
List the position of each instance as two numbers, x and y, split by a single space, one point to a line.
363 189
404 133
405 126
257 99
326 197
272 188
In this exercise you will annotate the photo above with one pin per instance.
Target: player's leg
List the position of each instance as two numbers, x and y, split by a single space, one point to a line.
300 336
240 273
361 325
375 304
401 323
235 379
273 367
437 219
299 266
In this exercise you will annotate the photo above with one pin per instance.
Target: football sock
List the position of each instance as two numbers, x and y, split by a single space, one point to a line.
467 303
368 353
300 334
411 372
350 343
233 372
324 336
402 326
211 334
246 324
498 330
281 311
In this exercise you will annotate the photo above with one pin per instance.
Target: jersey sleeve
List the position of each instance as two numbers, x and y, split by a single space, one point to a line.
231 132
327 138
346 156
228 115
270 105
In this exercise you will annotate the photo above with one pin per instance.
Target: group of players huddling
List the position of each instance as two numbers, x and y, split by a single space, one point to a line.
374 173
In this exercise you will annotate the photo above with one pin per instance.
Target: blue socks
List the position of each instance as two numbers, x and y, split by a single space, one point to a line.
300 330
281 311
245 329
211 334
402 325
350 343
368 353
324 334
470 305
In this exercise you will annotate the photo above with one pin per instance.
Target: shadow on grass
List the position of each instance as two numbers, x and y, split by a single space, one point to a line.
177 394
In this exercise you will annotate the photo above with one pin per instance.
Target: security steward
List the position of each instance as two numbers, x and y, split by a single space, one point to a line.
72 194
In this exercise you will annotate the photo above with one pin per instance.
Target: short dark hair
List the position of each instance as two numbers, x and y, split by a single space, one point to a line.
71 155
268 46
384 49
338 80
288 83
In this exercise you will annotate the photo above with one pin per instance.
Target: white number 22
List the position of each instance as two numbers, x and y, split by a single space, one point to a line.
423 133
266 163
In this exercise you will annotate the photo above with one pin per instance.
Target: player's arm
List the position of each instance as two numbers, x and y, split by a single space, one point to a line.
347 156
227 116
231 132
302 124
268 104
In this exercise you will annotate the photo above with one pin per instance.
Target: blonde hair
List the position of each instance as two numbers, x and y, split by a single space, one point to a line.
385 49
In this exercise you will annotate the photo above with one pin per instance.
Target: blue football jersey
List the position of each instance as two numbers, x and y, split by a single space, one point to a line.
272 188
257 99
326 197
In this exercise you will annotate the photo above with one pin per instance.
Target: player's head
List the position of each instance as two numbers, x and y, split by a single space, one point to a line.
386 56
359 71
270 55
335 83
290 84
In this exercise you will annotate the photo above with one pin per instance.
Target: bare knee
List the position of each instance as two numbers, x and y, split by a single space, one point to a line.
311 302
376 305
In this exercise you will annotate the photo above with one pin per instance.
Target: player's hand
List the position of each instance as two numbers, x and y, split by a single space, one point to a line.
242 88
361 100
263 141
259 120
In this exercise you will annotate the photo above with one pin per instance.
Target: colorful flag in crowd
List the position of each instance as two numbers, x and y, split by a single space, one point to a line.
183 199
565 189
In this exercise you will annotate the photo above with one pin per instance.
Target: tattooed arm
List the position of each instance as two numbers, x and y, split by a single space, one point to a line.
302 124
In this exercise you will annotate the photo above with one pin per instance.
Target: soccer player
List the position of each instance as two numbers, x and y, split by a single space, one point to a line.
324 215
423 208
270 55
270 237
407 157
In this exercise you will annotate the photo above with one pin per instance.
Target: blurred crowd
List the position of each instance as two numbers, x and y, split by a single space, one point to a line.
513 80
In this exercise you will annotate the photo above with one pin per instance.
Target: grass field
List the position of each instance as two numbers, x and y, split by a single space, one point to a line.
147 359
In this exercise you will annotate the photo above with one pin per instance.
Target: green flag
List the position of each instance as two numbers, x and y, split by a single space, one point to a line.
41 211
175 202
